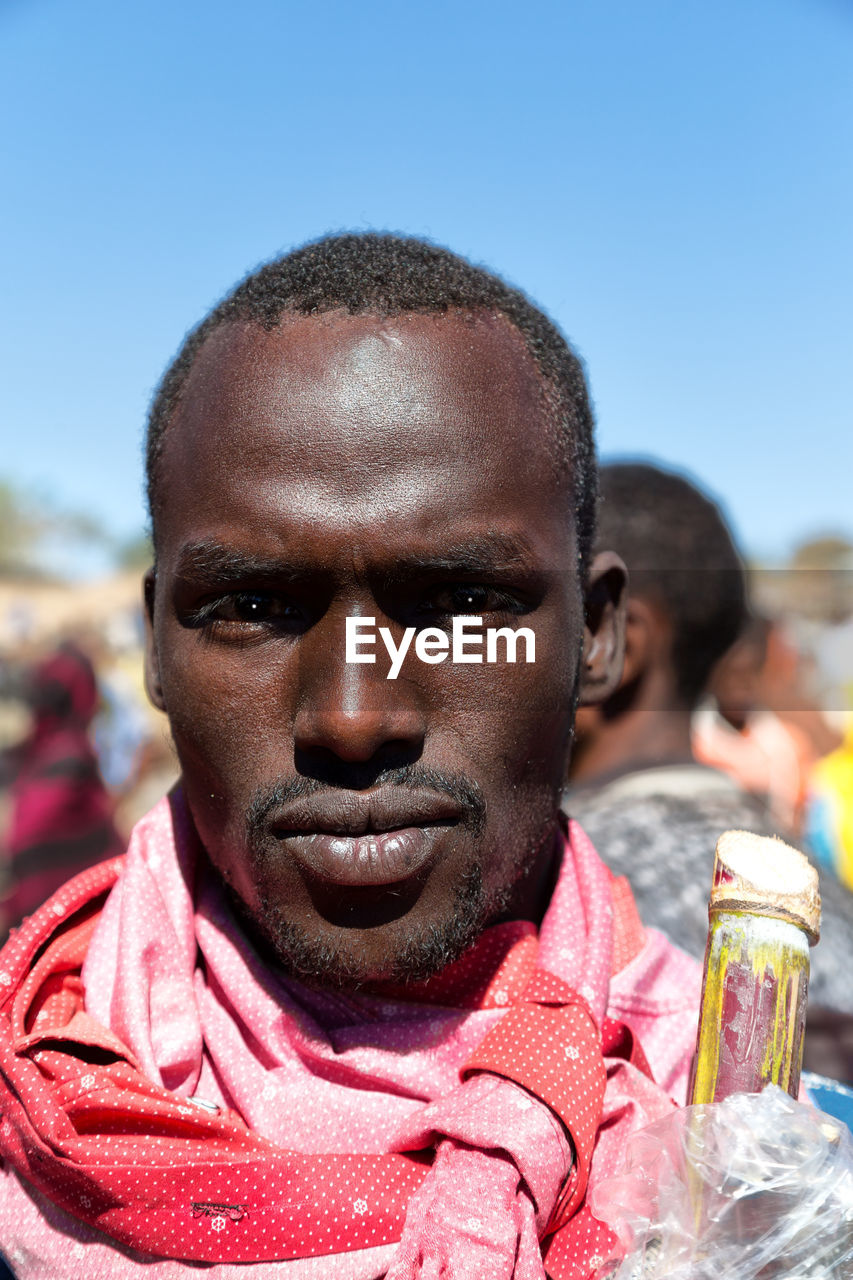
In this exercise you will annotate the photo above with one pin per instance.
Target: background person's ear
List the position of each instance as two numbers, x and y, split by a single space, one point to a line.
645 635
604 628
153 687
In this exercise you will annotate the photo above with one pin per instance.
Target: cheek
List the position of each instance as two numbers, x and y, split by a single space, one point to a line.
227 715
512 720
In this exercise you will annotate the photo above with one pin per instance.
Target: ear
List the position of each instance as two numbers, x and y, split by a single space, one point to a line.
645 633
153 686
604 628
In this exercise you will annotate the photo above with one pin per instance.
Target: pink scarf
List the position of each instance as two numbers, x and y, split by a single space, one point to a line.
317 1103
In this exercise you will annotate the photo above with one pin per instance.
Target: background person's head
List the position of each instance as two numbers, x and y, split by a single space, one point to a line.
736 681
686 607
372 427
62 690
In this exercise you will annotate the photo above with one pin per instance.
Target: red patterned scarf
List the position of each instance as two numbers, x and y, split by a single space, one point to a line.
161 1084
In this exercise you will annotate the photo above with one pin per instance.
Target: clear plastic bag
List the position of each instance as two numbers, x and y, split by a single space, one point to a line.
758 1186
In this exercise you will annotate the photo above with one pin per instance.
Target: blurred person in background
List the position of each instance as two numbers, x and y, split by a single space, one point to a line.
120 729
653 811
829 811
737 732
826 564
134 754
15 720
60 815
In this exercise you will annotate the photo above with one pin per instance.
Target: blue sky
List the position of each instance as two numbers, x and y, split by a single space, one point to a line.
671 180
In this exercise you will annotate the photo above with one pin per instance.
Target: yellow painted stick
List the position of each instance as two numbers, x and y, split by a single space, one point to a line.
764 913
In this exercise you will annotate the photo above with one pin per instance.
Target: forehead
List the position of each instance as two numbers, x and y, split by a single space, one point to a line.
362 421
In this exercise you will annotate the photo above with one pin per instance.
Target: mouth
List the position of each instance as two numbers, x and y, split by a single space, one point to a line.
371 840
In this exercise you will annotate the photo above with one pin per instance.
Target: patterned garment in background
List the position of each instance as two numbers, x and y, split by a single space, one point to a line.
228 1113
659 826
60 811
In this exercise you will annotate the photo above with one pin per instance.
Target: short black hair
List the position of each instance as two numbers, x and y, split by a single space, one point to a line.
679 553
384 274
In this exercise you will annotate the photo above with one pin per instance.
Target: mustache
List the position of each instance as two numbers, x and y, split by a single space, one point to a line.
463 790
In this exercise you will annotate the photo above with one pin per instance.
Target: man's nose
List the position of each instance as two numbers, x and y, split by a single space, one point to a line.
352 709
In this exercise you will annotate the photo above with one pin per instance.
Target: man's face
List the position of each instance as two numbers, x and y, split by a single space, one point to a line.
401 470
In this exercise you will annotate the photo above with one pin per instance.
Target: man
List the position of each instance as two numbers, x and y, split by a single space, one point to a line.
356 1004
652 811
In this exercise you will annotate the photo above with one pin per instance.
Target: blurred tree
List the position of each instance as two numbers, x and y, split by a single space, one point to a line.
30 522
829 552
21 527
820 577
136 553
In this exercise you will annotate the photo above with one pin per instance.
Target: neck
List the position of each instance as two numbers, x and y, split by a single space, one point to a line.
652 728
533 893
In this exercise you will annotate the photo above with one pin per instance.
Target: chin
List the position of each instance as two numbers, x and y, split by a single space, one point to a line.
399 953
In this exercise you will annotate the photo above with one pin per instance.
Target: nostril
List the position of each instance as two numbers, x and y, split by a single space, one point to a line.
332 770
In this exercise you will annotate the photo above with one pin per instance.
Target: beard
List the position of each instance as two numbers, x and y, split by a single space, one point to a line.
412 953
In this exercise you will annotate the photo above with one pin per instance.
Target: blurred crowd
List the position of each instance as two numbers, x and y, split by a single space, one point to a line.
727 716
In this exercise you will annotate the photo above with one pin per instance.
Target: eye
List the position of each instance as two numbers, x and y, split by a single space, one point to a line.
240 613
252 606
468 597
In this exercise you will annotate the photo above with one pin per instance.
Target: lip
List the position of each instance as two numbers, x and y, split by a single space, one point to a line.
365 839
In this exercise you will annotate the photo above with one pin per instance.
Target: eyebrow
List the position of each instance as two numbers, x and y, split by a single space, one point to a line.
486 553
208 563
